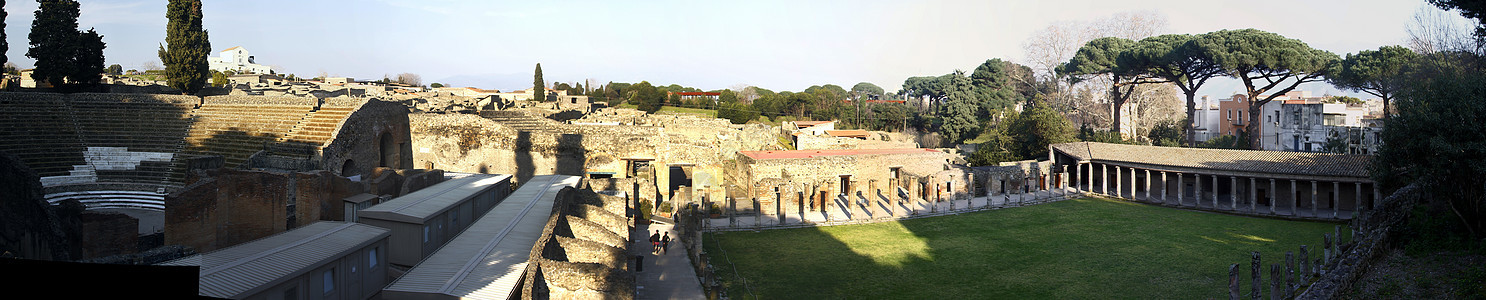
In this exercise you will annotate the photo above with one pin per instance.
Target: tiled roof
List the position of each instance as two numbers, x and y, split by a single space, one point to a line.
819 153
230 49
1269 162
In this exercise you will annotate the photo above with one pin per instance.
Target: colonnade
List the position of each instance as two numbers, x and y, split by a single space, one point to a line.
1218 190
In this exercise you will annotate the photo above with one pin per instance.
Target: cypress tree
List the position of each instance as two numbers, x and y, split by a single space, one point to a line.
539 89
186 47
4 45
53 38
87 59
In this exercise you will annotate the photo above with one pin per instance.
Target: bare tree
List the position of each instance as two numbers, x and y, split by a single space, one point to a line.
150 66
1435 30
410 79
1085 101
746 93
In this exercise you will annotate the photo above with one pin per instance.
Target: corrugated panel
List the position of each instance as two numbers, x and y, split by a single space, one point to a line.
418 206
232 272
487 260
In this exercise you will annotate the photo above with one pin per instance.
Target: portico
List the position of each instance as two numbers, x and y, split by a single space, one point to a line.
1270 183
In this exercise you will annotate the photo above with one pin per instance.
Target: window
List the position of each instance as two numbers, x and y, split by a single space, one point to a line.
371 258
425 234
292 293
329 278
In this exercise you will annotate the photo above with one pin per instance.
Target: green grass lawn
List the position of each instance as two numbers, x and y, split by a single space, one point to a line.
1075 249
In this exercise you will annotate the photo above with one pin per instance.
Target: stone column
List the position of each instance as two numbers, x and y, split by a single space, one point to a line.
1233 191
1377 194
1196 190
1105 176
1294 199
1180 189
1119 180
1215 193
1276 279
1233 282
1359 200
1164 187
1254 269
779 204
970 187
800 200
950 187
1336 200
758 218
1022 196
1305 264
1148 185
1289 275
1090 187
1315 212
1274 196
1253 196
732 207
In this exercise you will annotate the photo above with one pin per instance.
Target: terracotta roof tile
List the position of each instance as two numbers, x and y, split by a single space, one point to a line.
1271 162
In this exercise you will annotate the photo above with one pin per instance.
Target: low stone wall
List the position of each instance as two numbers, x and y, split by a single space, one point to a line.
583 250
1371 239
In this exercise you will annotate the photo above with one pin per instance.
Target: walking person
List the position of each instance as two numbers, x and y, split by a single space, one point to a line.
656 242
665 242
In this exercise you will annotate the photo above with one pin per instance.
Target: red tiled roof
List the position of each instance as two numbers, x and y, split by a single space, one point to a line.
818 153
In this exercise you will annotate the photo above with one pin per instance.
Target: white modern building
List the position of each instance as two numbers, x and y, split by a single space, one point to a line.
1305 124
237 59
1207 120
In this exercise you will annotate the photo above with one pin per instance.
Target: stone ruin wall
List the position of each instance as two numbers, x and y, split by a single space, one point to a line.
223 207
358 139
822 173
468 143
583 250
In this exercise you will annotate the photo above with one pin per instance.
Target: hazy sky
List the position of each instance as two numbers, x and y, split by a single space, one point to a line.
779 45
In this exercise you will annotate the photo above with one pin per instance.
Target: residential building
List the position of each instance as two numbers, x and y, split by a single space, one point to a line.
237 59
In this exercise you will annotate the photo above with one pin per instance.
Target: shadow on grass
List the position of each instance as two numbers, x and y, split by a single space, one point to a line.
1083 248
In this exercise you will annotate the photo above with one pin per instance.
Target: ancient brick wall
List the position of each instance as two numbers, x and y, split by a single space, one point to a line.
107 234
376 135
235 206
318 196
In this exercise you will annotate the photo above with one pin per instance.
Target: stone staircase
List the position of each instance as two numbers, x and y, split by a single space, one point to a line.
523 121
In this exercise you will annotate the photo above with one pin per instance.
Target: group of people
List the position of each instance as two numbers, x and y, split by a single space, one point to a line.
659 242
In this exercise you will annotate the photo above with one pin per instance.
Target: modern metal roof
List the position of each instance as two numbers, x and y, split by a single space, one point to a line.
246 269
418 206
487 260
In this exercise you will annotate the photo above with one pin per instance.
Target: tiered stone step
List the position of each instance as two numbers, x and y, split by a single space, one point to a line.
38 128
521 121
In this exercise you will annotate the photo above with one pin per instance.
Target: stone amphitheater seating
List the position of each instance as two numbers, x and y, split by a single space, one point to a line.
119 150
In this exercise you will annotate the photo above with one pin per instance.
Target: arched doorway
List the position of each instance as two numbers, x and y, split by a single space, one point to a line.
387 150
348 169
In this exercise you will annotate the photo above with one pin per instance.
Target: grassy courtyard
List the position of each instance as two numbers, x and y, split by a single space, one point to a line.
1075 249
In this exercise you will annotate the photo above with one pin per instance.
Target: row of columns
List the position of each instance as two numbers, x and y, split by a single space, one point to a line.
901 193
1086 170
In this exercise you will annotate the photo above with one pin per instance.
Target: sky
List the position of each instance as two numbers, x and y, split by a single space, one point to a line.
778 45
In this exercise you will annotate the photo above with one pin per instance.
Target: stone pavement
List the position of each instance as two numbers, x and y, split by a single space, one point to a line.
664 276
